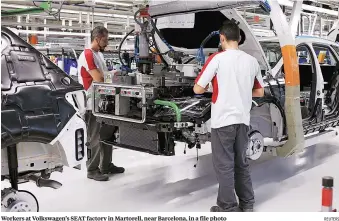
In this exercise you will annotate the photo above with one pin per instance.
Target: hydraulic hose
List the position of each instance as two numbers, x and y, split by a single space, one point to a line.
120 45
153 37
200 55
154 27
172 105
160 35
157 48
208 38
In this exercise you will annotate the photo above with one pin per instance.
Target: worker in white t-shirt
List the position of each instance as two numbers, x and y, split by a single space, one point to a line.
236 78
91 68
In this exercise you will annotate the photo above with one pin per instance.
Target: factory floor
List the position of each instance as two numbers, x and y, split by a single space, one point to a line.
172 184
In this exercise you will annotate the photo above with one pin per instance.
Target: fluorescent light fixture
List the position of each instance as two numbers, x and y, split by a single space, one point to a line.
289 3
14 6
113 3
64 33
71 11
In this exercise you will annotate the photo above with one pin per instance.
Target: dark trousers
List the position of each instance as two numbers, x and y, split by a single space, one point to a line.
229 145
99 155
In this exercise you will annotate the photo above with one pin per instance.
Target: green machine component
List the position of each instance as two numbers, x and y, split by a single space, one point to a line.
23 11
172 105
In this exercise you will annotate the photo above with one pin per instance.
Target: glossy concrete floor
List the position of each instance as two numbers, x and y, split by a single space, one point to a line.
165 184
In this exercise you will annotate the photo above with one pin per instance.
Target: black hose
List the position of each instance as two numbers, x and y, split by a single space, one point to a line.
158 50
189 60
153 37
160 35
211 35
120 45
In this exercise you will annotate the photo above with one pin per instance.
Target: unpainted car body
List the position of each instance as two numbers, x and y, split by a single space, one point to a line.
319 89
42 128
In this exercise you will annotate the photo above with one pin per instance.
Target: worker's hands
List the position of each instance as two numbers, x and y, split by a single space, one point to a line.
260 92
116 72
200 90
96 75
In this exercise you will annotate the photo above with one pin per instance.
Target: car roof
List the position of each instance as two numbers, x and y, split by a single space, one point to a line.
302 39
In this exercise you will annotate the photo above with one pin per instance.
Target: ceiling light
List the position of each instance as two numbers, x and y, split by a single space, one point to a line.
65 33
289 3
71 11
113 3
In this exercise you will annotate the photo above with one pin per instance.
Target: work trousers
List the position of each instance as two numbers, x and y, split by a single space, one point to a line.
99 154
229 145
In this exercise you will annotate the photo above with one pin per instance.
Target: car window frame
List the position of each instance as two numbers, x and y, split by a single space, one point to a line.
278 60
310 50
335 48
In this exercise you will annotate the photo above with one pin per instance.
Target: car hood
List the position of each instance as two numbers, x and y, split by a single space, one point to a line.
205 17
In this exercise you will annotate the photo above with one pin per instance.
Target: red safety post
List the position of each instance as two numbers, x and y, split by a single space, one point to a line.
327 194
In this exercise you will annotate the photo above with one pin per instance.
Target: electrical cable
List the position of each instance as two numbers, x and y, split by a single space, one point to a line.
120 45
48 12
160 35
154 28
200 54
157 47
153 37
35 4
189 60
58 12
160 54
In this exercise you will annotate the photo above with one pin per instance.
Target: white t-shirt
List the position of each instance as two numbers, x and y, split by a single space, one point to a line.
89 60
234 74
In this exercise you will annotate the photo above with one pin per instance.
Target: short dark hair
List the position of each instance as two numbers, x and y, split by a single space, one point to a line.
98 31
230 30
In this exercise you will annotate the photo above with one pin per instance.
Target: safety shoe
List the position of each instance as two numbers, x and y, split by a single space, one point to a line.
97 176
219 209
112 169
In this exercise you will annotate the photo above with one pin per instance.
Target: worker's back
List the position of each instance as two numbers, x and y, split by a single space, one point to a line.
237 73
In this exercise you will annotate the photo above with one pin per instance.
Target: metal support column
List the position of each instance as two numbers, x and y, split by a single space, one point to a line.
313 24
334 32
295 133
88 38
295 16
321 27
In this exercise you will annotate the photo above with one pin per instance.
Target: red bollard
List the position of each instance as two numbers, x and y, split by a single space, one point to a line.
327 194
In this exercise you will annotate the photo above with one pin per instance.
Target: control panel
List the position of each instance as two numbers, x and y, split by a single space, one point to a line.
121 102
106 90
150 92
128 92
